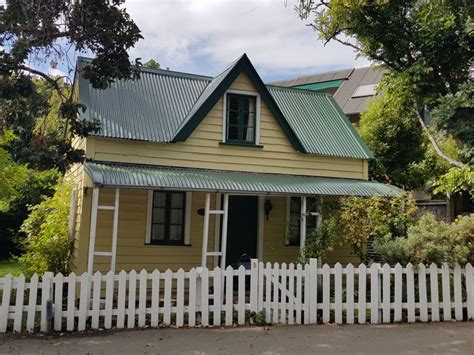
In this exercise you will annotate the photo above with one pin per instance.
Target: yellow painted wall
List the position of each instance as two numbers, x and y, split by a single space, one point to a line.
202 149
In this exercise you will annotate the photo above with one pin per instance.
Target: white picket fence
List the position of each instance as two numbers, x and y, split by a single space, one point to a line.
273 293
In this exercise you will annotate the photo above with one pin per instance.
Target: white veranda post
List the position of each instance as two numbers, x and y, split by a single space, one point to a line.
92 236
205 236
305 212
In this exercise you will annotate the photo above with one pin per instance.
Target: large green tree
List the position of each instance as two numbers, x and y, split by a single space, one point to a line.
34 32
425 45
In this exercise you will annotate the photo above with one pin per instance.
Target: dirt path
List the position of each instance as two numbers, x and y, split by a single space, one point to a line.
439 338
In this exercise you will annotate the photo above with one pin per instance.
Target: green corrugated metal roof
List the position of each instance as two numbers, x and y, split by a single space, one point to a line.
319 123
159 106
129 175
320 86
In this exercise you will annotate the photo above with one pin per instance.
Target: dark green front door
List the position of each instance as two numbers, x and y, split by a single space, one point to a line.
242 228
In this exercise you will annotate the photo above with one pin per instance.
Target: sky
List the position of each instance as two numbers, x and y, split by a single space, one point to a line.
205 36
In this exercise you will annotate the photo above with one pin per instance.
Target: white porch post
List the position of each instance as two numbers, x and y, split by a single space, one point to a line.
93 228
205 235
115 231
224 230
303 223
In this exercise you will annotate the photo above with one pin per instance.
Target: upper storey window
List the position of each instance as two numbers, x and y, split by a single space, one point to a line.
241 121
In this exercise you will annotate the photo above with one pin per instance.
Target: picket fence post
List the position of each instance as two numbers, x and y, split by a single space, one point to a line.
470 291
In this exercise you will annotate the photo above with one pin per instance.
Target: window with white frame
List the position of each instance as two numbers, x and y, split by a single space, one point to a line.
293 237
241 118
168 218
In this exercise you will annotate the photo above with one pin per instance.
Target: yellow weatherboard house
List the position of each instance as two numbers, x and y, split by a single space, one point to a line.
189 170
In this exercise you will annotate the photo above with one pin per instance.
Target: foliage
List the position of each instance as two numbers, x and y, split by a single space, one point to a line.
153 64
35 32
47 246
390 131
456 180
426 47
364 218
11 174
321 240
430 241
9 267
41 135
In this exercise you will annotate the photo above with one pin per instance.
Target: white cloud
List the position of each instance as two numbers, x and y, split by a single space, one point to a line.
204 36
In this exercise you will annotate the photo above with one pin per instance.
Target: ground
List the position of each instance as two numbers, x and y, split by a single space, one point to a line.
435 338
8 267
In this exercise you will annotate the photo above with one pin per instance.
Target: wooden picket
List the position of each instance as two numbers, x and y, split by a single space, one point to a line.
281 294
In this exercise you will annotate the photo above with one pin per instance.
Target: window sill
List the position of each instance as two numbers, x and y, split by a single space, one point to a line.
157 244
238 144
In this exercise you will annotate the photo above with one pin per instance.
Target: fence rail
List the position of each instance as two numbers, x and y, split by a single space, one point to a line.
266 293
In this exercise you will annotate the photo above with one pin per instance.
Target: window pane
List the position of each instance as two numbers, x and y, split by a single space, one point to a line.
177 200
176 217
232 133
158 215
311 204
159 199
233 102
249 104
233 118
295 205
157 232
176 232
249 134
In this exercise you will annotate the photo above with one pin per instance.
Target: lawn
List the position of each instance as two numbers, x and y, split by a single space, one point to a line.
9 267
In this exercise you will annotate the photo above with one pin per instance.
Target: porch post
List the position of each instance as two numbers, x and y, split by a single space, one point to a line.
115 231
224 231
205 235
303 223
93 228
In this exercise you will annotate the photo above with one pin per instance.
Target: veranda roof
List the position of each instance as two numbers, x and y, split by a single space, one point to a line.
171 178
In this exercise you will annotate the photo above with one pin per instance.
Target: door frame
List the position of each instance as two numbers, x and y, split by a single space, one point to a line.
260 224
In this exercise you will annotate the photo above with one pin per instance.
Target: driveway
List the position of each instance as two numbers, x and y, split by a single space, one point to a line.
437 338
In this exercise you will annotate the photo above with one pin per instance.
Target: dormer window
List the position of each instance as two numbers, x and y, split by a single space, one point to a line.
241 118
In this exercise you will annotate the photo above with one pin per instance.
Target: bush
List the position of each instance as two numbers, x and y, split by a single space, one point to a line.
47 246
364 218
430 241
321 240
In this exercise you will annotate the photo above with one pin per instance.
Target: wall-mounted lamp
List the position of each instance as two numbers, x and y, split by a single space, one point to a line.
267 207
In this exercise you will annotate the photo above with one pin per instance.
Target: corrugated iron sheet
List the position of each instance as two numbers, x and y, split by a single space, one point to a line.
156 106
128 175
319 123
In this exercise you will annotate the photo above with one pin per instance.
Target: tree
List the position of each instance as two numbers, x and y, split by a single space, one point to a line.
153 64
36 31
390 131
426 46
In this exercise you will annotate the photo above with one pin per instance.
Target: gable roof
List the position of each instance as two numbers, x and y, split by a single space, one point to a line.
347 81
165 106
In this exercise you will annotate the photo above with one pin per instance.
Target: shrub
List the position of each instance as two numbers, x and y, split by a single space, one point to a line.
47 246
321 240
431 241
363 218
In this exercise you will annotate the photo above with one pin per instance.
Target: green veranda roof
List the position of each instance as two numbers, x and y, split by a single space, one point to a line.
165 106
168 178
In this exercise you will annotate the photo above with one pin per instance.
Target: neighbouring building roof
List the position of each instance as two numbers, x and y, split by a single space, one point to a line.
157 177
166 106
353 87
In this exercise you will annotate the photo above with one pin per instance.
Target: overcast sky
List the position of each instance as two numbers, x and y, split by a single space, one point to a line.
204 36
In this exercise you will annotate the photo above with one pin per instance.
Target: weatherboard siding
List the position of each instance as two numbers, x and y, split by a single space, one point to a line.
202 149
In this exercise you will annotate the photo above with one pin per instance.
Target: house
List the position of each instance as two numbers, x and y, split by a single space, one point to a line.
352 88
189 170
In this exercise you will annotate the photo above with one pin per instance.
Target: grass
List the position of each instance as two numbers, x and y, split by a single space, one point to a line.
9 267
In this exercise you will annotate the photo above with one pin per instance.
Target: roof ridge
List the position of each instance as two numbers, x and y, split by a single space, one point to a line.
289 88
161 71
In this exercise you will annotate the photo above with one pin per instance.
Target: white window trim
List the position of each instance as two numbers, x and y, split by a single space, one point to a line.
187 218
257 113
287 225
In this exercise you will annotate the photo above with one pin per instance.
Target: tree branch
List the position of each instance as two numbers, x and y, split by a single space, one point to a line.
433 141
50 80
